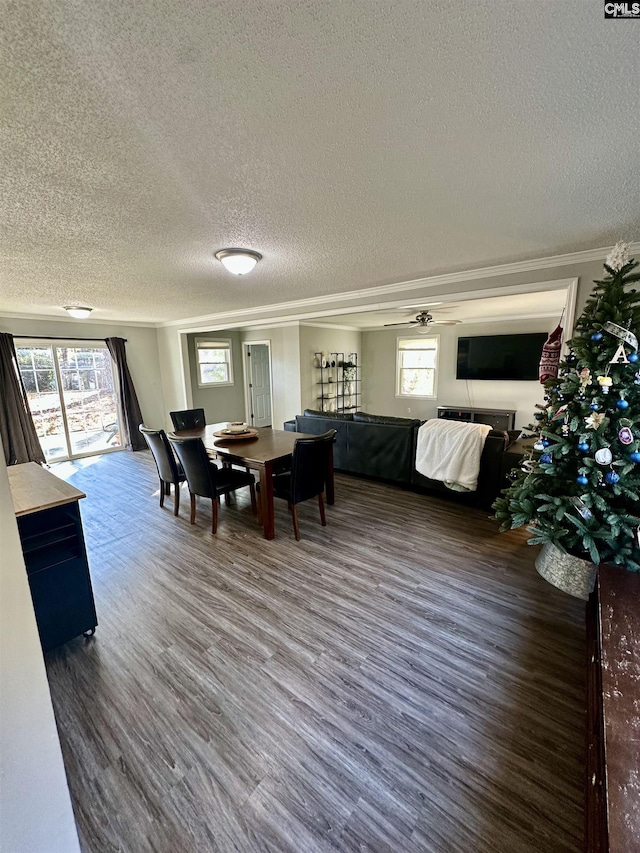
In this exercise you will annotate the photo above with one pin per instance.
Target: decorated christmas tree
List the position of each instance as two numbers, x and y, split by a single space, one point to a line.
580 488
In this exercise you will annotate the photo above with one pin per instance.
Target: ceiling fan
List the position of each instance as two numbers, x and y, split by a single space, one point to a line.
423 320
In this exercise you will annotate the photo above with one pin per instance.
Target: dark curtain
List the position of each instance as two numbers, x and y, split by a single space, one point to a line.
18 432
131 414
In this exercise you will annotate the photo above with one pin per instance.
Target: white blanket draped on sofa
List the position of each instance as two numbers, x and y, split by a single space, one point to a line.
450 451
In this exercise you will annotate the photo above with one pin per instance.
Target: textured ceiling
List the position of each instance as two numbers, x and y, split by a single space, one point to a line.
354 144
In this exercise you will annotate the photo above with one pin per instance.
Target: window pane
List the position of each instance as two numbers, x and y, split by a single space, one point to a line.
214 362
418 358
89 398
416 365
419 382
38 374
212 355
214 373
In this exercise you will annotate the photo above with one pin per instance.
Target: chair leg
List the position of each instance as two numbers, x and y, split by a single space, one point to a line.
227 498
323 519
161 493
296 526
254 505
176 498
193 507
214 515
167 488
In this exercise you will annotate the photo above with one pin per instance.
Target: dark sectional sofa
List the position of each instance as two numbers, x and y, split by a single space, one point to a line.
384 448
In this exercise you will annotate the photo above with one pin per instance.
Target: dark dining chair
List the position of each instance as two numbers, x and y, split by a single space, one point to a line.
206 480
169 469
188 419
307 476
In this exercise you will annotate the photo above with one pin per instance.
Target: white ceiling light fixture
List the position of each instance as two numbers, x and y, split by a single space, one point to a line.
78 312
238 261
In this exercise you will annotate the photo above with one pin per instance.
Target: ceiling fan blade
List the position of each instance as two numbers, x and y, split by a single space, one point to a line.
445 322
406 323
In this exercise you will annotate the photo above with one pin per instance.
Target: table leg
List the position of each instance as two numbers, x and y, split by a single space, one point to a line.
329 485
266 501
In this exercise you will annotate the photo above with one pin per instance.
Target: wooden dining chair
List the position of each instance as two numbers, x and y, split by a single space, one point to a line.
169 469
188 419
307 476
205 479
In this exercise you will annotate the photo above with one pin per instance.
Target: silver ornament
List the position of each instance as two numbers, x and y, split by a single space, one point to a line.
603 456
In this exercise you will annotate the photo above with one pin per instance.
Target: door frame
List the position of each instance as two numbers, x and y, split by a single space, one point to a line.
246 373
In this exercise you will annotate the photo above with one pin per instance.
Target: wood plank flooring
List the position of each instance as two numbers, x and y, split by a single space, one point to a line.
396 686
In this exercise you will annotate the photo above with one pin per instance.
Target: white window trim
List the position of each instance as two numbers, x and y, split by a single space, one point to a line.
208 340
433 396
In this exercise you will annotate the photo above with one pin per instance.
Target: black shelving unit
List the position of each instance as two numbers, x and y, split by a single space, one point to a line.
338 392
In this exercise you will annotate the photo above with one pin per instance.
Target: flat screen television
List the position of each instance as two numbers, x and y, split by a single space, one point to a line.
500 356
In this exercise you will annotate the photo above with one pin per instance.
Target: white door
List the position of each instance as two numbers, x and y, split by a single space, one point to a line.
260 386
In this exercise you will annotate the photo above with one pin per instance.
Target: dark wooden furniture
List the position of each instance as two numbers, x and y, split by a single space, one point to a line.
306 479
55 557
613 713
206 480
271 451
188 419
496 418
169 470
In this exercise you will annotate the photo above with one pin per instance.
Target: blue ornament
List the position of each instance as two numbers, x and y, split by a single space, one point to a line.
596 336
545 442
635 456
582 480
583 447
546 458
633 357
594 407
612 477
622 404
539 416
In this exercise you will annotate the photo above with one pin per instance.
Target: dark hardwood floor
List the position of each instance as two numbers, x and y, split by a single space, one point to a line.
401 680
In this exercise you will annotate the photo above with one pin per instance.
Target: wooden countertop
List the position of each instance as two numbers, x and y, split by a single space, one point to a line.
33 488
619 598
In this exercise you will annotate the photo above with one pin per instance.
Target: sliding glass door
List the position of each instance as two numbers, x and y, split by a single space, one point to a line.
72 397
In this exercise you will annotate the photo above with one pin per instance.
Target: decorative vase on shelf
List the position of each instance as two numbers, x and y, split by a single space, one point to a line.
572 575
349 372
316 361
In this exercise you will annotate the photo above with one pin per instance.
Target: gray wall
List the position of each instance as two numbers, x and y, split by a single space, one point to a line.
142 354
227 402
285 369
379 376
322 339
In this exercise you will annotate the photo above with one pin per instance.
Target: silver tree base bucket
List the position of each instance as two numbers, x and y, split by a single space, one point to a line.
570 574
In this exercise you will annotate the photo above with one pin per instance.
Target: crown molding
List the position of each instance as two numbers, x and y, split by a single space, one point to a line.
533 265
95 321
341 327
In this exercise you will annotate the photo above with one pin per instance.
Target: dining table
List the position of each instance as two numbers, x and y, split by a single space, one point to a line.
264 450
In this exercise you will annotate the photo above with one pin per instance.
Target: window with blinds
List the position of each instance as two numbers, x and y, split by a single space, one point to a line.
215 364
417 367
